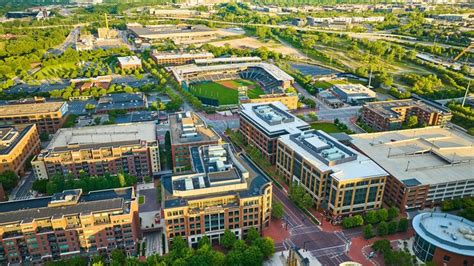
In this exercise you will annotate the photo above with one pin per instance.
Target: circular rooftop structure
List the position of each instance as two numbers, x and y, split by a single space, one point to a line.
445 231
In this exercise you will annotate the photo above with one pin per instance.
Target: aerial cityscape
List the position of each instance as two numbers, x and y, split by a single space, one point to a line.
237 132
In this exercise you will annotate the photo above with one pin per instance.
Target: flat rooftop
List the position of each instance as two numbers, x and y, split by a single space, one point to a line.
129 60
425 156
30 108
104 134
227 60
44 208
272 118
217 172
355 89
387 108
188 127
446 231
10 136
163 31
327 154
168 55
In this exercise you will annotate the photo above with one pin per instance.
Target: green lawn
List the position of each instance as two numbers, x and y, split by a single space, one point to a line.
326 127
55 71
322 84
141 199
212 90
255 92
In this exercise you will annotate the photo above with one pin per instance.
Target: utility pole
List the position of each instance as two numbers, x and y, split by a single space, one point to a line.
465 94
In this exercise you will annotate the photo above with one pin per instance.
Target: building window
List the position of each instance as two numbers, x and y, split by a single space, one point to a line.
446 258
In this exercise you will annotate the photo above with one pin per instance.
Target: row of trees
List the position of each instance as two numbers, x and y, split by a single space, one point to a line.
463 207
59 183
371 217
462 116
384 228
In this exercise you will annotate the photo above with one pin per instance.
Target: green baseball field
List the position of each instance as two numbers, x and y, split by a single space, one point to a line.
225 91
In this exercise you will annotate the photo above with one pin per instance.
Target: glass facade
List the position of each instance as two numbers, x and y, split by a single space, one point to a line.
423 249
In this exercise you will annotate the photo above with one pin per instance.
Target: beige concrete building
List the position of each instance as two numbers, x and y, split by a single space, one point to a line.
338 178
221 193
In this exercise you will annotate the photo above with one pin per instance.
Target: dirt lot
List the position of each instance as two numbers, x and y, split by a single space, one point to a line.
253 43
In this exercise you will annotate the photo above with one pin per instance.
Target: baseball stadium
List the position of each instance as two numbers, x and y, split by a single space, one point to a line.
218 84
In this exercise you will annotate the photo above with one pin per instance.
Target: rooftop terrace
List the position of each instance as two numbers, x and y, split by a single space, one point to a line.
425 156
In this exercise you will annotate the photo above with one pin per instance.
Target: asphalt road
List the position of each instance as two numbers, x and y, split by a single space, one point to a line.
23 189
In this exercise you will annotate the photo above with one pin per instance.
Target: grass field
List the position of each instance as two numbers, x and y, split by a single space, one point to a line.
326 127
226 91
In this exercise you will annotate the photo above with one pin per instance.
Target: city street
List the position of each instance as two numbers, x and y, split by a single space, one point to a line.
23 189
329 247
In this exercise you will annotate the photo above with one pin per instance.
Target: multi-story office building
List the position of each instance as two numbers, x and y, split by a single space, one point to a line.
188 130
262 123
17 145
391 115
426 165
220 194
48 116
68 224
338 178
166 58
99 150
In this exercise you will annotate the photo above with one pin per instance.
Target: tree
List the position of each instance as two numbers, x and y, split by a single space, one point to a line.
368 231
266 246
8 179
382 229
403 225
371 217
252 256
382 246
412 121
204 241
40 185
382 215
118 257
44 136
392 227
358 220
252 235
277 210
228 239
392 213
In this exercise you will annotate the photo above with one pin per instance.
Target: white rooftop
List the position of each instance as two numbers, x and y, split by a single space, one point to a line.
227 60
355 89
327 154
431 155
272 117
102 134
446 231
129 60
181 55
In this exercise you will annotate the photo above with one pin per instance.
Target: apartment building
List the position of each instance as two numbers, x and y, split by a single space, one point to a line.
188 130
17 145
262 123
338 178
167 58
98 150
221 193
426 165
48 116
67 224
391 115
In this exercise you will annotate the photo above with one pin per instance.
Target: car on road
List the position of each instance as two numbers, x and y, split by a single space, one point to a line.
371 254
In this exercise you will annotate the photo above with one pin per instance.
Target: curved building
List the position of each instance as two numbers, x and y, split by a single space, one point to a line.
444 239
